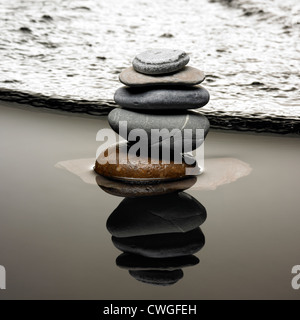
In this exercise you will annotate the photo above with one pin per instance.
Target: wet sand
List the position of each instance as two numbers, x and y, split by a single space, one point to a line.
53 237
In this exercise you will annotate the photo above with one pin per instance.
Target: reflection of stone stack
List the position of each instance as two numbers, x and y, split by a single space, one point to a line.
121 189
159 92
159 236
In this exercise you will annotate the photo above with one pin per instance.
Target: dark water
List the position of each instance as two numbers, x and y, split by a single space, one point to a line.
54 242
68 54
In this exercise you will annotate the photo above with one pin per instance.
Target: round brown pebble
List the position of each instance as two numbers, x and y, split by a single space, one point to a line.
137 169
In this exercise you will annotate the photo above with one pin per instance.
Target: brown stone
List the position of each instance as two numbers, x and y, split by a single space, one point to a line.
138 170
187 76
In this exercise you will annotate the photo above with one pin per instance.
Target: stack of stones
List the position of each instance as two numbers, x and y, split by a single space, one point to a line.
159 93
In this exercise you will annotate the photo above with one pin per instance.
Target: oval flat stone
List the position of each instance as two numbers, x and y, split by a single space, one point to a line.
134 262
176 212
137 169
148 121
160 61
188 76
162 98
162 245
157 277
133 190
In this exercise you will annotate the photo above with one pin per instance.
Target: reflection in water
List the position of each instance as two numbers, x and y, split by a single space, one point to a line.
137 262
121 189
176 212
158 236
157 225
163 245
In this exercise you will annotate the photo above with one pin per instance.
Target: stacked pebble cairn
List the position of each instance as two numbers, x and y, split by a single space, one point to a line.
159 93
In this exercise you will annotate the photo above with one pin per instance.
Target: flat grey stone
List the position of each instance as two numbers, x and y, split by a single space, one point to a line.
164 245
147 121
162 98
176 212
188 76
157 277
160 61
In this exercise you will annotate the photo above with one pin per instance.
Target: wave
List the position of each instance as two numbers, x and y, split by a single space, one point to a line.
286 12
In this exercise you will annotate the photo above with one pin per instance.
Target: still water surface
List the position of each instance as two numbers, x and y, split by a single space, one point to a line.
53 237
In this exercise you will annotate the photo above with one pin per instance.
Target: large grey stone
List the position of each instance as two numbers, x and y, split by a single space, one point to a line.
188 76
162 98
147 121
160 61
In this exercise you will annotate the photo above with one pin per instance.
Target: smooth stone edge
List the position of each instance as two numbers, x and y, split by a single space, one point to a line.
189 84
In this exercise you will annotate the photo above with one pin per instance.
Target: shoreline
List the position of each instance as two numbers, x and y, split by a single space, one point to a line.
70 60
218 120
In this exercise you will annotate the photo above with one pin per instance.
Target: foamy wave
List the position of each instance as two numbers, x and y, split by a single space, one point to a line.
286 12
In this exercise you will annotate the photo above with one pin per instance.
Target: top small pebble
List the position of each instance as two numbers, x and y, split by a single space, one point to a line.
160 61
